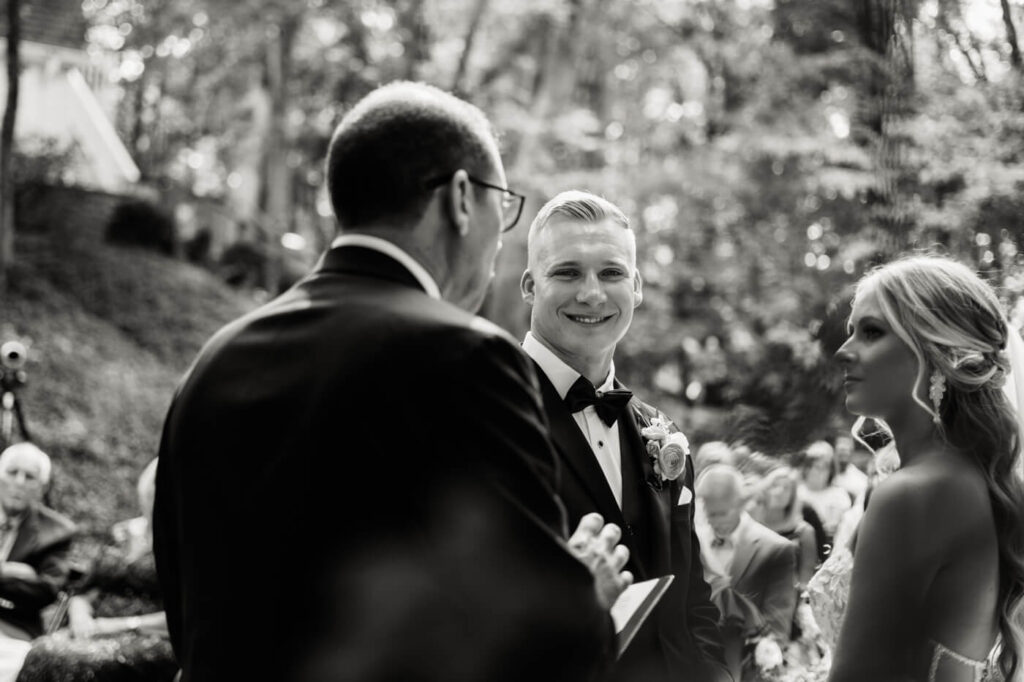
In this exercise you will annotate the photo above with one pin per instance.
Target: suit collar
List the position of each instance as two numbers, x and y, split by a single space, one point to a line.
374 257
560 374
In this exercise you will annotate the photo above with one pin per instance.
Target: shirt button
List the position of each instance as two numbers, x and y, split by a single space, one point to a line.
600 443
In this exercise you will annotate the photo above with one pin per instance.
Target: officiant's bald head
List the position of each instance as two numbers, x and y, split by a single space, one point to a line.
396 142
420 168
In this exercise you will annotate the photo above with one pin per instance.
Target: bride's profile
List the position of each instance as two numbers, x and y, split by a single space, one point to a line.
938 570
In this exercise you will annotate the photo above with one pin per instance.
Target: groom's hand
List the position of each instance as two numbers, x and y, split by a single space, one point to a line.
595 543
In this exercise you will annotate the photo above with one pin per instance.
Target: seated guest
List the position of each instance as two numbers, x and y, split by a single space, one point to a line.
848 476
34 542
818 489
712 452
751 569
116 626
777 506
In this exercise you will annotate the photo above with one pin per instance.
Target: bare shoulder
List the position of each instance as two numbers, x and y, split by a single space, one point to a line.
945 491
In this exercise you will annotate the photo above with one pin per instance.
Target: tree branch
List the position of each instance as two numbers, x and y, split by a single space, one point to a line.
1011 36
474 24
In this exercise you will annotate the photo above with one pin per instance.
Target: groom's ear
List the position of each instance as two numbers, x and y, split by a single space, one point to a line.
459 202
638 289
527 286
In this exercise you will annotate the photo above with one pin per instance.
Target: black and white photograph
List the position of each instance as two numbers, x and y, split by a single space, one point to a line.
511 341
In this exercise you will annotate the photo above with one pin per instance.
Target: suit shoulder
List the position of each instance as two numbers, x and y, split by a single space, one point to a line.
463 331
488 329
770 537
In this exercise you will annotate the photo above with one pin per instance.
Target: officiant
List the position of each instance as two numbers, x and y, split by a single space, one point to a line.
354 478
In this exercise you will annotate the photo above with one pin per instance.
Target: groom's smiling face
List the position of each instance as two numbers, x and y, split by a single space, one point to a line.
583 285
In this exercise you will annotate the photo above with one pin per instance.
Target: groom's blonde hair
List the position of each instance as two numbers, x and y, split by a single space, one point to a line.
576 205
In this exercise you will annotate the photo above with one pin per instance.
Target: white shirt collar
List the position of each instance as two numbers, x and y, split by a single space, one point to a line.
390 249
561 375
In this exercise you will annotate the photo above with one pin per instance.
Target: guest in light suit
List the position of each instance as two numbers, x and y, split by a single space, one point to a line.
751 569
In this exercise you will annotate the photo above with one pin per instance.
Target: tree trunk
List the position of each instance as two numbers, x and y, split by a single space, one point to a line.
886 29
467 47
277 171
554 84
1011 36
7 142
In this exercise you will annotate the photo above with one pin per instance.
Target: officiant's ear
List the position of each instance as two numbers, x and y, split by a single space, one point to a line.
638 289
527 286
458 195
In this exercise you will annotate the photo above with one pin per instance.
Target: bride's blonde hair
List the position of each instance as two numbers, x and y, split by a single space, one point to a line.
953 323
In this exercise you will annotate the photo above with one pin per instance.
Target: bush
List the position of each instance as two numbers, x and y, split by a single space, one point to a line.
137 222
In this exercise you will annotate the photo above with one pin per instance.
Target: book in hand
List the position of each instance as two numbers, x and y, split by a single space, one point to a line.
633 606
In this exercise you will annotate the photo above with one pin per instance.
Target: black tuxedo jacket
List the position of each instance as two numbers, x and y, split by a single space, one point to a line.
354 485
43 542
680 640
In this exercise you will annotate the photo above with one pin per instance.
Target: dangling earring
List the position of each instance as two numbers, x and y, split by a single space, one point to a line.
935 392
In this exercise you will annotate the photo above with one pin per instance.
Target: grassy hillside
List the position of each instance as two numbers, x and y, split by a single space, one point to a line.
110 331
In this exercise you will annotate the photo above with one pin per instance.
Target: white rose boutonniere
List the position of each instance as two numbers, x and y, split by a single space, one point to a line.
768 658
667 447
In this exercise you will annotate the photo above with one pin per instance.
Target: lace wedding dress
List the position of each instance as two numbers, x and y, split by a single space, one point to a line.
829 591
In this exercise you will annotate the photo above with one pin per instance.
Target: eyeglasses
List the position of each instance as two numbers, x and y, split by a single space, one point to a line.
511 202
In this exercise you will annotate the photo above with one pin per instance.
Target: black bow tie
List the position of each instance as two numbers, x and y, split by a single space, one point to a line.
609 405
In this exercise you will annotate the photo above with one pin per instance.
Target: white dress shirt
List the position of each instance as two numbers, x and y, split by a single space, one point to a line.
603 439
389 249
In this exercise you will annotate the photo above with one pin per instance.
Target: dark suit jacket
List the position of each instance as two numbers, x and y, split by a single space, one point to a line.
680 640
353 485
43 542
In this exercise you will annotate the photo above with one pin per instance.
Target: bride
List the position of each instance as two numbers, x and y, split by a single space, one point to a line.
937 585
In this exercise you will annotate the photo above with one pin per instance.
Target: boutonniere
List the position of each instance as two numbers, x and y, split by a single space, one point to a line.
667 447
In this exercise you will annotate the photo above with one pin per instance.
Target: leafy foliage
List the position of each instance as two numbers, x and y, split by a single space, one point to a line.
768 152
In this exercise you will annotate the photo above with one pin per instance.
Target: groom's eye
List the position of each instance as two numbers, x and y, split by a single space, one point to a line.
564 273
613 273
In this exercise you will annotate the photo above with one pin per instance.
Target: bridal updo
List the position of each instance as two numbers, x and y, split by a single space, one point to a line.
953 323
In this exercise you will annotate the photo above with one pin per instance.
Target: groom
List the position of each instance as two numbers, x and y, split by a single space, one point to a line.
583 285
353 479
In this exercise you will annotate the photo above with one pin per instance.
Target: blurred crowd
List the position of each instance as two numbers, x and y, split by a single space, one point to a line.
63 619
767 524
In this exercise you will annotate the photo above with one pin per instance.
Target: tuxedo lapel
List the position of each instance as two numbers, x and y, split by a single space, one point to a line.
576 451
656 501
744 555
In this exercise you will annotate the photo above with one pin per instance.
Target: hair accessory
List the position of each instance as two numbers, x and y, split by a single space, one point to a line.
935 392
